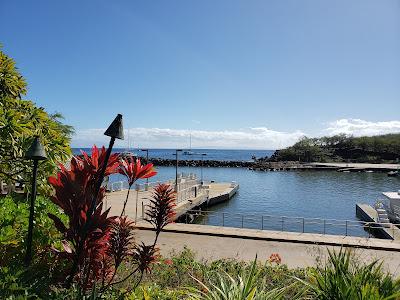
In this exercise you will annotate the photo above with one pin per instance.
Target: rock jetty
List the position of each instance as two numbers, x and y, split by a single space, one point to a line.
257 165
199 163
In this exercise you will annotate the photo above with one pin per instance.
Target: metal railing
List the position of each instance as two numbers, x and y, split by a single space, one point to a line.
286 223
191 192
123 185
189 187
184 181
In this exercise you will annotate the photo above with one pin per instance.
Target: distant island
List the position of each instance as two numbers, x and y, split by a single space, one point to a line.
342 148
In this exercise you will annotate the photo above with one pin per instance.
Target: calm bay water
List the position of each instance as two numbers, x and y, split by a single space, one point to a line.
308 194
305 194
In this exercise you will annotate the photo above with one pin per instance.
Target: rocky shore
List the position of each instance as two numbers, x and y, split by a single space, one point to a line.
199 163
252 165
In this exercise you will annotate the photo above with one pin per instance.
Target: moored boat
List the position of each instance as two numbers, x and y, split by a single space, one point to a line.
393 174
390 203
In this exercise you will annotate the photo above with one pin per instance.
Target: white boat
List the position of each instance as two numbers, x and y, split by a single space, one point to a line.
128 151
390 203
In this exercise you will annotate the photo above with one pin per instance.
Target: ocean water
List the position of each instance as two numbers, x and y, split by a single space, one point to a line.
288 194
211 154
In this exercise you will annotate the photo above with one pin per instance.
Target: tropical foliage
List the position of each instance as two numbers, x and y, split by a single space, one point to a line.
345 278
14 214
244 287
20 121
376 149
95 244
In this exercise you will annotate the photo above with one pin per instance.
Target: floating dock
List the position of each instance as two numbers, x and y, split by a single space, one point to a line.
367 213
214 193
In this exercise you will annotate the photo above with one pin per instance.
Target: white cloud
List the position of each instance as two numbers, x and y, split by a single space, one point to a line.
251 138
359 127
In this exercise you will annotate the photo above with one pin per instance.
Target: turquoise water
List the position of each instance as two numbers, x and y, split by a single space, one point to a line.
309 194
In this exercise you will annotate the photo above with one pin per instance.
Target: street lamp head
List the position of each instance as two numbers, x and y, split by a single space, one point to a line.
178 150
36 150
204 154
144 150
116 128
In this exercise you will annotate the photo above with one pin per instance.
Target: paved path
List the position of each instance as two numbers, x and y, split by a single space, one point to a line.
293 254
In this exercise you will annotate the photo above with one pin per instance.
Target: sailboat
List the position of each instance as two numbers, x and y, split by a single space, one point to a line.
128 152
189 152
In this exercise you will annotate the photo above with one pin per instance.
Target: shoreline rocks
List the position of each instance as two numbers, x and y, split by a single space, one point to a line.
251 165
198 163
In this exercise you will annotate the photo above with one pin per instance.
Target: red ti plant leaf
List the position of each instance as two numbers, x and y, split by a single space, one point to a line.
122 240
58 223
133 169
107 240
74 189
145 256
94 162
161 209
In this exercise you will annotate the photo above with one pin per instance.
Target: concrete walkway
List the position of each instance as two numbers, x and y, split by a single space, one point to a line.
212 247
358 166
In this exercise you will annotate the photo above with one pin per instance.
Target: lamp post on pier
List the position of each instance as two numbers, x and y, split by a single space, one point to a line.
176 169
201 169
147 160
36 152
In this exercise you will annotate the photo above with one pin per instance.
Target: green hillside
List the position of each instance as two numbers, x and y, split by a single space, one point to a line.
373 149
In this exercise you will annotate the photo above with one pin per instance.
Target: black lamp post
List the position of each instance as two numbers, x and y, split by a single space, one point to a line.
176 169
115 131
201 169
147 160
35 152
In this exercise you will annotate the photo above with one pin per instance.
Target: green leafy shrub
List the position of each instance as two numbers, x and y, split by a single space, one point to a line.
14 217
241 287
11 286
344 277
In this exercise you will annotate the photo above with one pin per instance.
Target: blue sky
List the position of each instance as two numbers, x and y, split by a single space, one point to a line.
236 74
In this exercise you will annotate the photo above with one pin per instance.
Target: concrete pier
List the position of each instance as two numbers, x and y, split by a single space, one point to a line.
190 196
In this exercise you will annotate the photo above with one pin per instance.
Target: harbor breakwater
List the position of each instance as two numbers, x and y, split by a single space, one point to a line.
253 165
265 165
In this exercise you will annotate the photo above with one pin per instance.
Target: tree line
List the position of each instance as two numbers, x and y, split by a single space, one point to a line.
340 148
